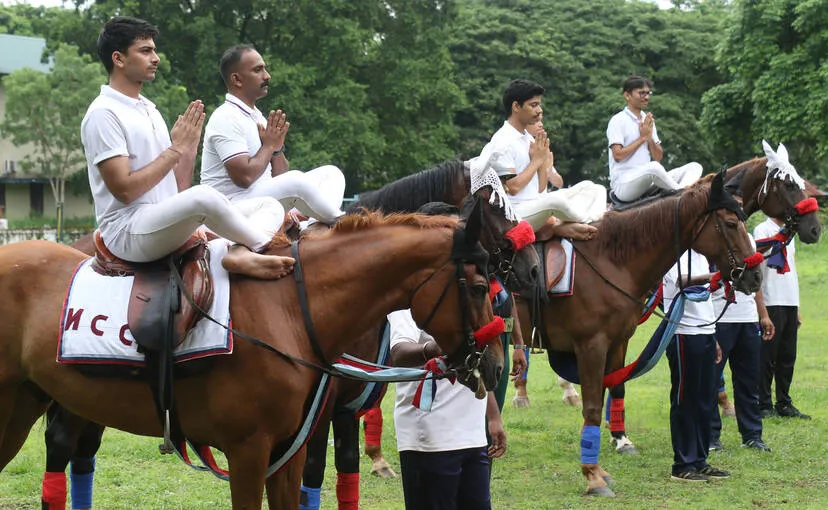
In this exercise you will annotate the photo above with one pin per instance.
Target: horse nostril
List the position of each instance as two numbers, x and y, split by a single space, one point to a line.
498 373
534 272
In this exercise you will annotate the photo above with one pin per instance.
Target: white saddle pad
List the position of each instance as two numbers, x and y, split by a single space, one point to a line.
564 287
94 326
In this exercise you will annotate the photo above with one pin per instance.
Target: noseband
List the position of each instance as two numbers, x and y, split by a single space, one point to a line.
519 236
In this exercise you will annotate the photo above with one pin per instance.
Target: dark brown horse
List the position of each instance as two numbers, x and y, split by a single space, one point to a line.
778 199
250 401
632 252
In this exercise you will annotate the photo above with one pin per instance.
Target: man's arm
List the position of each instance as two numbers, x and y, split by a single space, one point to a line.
244 170
538 152
768 329
128 186
656 152
279 163
496 431
413 354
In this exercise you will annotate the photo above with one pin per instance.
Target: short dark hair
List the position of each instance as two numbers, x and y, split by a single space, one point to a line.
520 91
636 82
439 208
119 33
230 58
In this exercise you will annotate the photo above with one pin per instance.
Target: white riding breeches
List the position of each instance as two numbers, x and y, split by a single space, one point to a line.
584 202
317 193
635 182
156 230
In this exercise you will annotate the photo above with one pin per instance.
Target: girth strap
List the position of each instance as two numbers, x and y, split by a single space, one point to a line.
301 290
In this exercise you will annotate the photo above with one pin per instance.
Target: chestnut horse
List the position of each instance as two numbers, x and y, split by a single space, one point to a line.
782 198
251 401
449 182
632 252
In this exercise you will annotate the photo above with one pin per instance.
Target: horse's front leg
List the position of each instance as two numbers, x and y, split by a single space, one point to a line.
283 487
591 361
247 463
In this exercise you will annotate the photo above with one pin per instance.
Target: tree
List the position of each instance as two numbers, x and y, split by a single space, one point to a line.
46 109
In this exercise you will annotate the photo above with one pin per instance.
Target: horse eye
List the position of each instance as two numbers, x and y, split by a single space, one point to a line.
732 224
479 291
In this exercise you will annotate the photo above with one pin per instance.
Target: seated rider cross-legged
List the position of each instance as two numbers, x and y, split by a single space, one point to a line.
140 173
635 151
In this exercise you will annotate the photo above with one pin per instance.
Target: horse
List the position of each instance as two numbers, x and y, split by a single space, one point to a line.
250 401
448 182
778 200
632 251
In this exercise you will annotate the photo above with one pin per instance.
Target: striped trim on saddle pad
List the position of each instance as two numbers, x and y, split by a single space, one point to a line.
93 325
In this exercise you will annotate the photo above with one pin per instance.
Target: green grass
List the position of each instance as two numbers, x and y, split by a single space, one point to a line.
541 469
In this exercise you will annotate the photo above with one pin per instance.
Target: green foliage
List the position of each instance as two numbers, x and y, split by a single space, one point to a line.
46 109
775 56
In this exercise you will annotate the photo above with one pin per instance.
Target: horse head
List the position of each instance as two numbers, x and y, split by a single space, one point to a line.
723 239
472 343
783 196
508 240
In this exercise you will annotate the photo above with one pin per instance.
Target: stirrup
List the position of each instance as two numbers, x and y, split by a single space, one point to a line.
167 446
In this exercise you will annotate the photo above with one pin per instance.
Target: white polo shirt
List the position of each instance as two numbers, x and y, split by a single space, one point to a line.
457 419
623 129
695 313
118 125
231 131
778 289
743 310
514 147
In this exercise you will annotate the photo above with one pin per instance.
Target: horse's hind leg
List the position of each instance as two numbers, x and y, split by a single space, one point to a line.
617 425
20 407
373 443
346 458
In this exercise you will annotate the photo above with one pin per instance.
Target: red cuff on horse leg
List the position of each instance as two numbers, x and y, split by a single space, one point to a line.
54 491
617 415
347 491
373 427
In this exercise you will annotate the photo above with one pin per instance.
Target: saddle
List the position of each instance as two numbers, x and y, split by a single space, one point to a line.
651 195
151 300
553 258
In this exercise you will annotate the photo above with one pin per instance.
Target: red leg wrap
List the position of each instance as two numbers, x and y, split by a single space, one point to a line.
347 491
617 415
373 427
54 491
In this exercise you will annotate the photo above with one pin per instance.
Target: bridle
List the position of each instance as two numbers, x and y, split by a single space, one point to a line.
792 212
518 237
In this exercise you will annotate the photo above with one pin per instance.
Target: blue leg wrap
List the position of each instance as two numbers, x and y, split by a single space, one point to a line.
590 444
81 488
607 406
526 372
722 383
310 498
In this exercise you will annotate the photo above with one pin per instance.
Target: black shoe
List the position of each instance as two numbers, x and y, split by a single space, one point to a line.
714 473
789 411
690 476
767 412
756 444
715 445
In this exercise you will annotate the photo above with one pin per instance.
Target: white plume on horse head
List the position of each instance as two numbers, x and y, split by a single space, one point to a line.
482 172
778 160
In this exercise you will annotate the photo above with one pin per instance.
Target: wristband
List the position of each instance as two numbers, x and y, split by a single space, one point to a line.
279 150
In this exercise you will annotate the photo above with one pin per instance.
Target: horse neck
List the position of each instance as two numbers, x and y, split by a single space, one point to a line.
649 266
751 184
353 292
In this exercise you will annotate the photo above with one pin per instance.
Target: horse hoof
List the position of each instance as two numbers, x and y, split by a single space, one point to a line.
384 472
728 411
520 402
609 480
628 449
602 491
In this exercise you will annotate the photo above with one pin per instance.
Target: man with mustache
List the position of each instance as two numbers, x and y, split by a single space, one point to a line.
635 150
140 173
244 152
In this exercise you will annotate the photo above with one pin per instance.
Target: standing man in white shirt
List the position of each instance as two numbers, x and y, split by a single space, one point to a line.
244 153
525 161
693 354
140 173
443 454
635 151
780 288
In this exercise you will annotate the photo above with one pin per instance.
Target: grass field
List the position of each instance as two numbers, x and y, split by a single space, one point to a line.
541 468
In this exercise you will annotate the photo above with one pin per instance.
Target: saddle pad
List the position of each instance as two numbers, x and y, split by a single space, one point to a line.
94 320
564 286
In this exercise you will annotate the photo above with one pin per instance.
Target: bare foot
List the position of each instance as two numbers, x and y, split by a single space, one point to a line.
240 260
576 231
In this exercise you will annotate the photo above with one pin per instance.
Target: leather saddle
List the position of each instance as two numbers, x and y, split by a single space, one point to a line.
155 294
651 195
553 258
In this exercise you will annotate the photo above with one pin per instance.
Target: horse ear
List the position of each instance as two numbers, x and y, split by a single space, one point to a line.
782 152
474 223
768 150
717 185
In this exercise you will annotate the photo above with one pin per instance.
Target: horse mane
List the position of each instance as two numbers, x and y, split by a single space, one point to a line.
410 192
735 174
368 220
623 235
